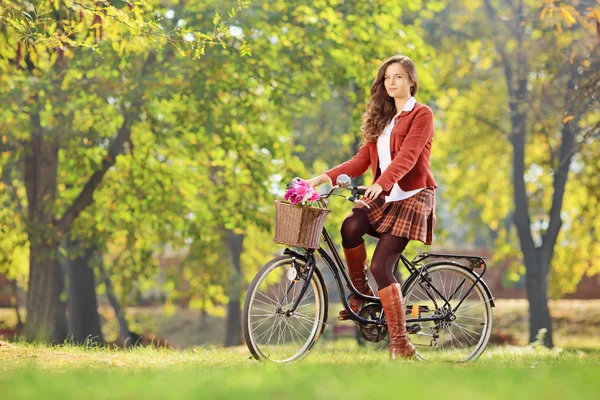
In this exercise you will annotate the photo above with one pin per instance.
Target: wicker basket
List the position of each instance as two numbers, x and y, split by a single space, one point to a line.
299 226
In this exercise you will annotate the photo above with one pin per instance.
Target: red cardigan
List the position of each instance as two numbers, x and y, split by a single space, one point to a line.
410 145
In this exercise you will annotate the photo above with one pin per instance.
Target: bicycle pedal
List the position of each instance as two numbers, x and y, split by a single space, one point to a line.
414 328
343 317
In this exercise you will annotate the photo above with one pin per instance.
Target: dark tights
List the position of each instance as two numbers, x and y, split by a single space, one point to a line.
387 252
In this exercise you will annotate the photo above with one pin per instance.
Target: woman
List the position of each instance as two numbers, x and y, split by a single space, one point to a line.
399 206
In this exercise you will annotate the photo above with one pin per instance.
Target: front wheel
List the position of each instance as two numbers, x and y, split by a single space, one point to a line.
464 332
271 331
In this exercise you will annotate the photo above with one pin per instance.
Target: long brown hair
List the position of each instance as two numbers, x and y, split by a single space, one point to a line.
381 107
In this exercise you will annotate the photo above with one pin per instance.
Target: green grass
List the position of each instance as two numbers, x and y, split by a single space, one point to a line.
28 371
335 369
576 323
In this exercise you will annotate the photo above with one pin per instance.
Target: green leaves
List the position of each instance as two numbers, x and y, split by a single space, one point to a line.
474 147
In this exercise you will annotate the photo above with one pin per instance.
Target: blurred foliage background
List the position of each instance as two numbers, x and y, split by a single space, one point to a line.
142 143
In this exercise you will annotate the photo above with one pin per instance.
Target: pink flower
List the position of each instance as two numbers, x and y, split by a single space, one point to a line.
301 192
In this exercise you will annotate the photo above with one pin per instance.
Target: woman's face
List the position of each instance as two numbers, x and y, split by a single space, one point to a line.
397 82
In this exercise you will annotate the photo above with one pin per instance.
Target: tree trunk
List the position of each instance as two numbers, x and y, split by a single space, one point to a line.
41 162
358 95
536 282
124 333
233 335
84 321
15 290
42 294
61 330
516 72
203 319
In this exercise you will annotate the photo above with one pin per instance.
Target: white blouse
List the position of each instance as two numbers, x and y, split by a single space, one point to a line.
385 156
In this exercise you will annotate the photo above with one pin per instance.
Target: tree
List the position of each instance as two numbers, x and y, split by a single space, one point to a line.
49 76
529 74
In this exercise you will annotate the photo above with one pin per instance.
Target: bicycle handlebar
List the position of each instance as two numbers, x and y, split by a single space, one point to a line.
360 191
356 191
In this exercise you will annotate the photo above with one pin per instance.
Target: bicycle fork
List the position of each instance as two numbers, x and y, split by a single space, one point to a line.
311 264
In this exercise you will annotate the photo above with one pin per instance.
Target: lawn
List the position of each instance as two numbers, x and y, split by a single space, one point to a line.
335 369
29 371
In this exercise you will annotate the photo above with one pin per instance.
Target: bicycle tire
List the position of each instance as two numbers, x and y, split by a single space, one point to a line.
480 290
318 286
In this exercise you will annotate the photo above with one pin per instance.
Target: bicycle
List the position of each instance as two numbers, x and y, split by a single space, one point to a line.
449 307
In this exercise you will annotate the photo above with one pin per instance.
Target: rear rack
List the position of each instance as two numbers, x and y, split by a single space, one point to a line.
474 261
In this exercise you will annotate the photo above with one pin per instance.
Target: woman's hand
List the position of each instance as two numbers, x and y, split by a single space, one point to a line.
318 180
373 191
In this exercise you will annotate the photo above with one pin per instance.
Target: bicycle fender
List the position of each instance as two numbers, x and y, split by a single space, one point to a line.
466 269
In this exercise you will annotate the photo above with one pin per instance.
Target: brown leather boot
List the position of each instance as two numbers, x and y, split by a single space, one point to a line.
356 260
395 315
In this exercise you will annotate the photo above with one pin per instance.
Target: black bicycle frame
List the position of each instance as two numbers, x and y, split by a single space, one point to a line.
336 266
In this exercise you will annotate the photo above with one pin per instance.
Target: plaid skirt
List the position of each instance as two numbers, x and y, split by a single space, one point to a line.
412 218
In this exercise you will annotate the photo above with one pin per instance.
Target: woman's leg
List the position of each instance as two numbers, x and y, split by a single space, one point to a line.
355 226
386 254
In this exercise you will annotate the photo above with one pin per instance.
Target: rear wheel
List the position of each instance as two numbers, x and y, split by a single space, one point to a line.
272 332
461 335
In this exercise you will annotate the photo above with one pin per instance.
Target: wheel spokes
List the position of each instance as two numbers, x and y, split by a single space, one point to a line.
455 336
278 334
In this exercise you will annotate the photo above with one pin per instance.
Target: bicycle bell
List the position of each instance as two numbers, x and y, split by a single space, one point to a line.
343 181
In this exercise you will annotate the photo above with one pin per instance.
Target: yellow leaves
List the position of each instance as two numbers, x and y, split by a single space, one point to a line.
427 14
61 187
594 15
567 16
567 119
485 63
70 77
572 58
453 92
169 309
513 276
3 138
543 13
443 102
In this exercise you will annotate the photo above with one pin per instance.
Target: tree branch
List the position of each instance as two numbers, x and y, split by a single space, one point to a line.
491 124
493 20
518 118
567 149
85 198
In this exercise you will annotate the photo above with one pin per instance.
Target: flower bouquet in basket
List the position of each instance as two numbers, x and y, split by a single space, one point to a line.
300 192
297 222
